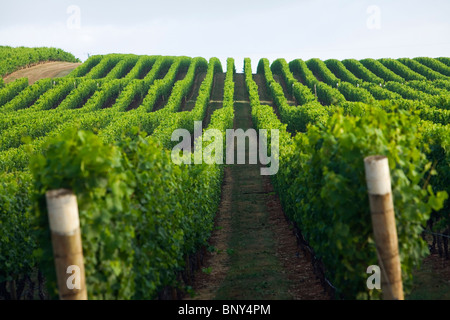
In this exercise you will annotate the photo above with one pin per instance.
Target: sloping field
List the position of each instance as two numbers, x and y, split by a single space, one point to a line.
52 69
157 223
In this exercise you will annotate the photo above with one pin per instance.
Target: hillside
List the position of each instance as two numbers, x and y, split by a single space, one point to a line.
160 224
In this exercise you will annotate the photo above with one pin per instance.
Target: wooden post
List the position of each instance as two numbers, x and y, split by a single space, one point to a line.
66 239
384 228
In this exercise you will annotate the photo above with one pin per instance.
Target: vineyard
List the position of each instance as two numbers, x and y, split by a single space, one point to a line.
105 132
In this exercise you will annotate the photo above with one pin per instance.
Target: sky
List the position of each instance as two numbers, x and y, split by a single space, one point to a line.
256 29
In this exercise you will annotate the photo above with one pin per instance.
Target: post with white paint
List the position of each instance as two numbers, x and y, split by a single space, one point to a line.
384 227
66 239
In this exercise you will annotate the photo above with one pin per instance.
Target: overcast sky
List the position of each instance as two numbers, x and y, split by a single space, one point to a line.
235 28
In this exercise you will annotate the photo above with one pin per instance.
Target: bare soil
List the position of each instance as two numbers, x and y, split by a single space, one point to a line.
216 99
289 97
52 69
188 102
264 95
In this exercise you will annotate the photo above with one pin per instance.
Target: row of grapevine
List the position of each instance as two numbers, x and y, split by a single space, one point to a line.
126 63
434 64
150 242
86 67
400 69
408 92
106 95
142 67
426 87
379 92
339 69
12 90
360 71
421 69
317 191
444 60
106 64
185 120
28 96
301 93
17 159
354 93
295 117
162 87
319 68
381 71
325 94
53 97
79 96
139 117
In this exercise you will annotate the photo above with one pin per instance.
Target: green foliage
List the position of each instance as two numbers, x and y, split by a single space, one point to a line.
105 94
426 87
408 92
380 70
354 93
299 68
360 71
162 87
444 60
12 90
106 64
322 185
401 69
379 92
301 92
328 95
142 66
53 97
434 64
421 69
122 68
228 96
325 94
28 96
251 85
437 137
338 68
441 84
319 68
86 67
166 120
297 118
16 239
78 97
136 218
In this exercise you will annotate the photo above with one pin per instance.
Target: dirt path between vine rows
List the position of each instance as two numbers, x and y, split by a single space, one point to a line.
253 253
52 69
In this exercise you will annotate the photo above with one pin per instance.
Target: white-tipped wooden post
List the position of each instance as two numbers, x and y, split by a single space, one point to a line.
384 227
66 239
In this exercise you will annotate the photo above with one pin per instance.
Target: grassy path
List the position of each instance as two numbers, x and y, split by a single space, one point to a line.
255 253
